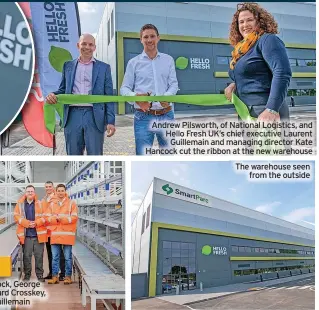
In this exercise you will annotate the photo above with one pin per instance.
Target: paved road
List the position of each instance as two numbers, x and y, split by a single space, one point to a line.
294 295
156 304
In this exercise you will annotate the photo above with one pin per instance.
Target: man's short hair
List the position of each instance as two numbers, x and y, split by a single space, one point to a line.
148 26
60 185
28 186
49 182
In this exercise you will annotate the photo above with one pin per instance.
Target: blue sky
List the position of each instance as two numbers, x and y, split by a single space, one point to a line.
90 16
293 201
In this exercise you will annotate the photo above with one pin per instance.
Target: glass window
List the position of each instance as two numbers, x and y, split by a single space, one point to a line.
222 60
176 245
192 262
184 246
109 32
234 248
271 250
309 62
241 249
191 246
301 63
277 251
184 262
184 253
304 92
167 244
237 272
257 250
261 250
167 253
247 249
112 24
167 261
143 223
293 62
312 92
191 253
176 262
266 250
166 269
292 92
176 253
148 216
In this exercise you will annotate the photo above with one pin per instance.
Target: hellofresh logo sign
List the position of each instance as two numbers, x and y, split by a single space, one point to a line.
215 250
15 44
182 63
169 190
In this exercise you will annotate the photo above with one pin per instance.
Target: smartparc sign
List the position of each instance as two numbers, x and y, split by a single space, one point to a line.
171 189
193 63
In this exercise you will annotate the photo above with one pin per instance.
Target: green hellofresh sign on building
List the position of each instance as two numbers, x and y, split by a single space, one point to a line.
193 63
169 190
215 250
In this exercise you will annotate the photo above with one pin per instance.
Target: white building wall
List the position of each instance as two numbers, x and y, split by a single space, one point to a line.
297 22
141 242
223 216
225 210
106 44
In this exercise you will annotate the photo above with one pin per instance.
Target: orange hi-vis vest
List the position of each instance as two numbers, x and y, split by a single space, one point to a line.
23 223
62 218
46 201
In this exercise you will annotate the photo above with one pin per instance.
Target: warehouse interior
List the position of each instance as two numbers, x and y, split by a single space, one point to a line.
99 252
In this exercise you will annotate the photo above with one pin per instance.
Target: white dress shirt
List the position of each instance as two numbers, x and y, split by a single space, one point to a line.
157 76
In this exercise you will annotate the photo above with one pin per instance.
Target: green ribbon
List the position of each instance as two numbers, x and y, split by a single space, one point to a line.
50 110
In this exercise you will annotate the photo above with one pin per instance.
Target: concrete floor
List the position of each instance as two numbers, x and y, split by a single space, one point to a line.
59 296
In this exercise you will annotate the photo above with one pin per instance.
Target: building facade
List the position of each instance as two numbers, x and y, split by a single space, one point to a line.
182 238
198 34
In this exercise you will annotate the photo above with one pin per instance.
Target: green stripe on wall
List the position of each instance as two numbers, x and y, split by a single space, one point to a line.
239 258
294 74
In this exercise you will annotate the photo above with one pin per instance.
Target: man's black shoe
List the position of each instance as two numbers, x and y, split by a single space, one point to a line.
48 277
61 278
41 280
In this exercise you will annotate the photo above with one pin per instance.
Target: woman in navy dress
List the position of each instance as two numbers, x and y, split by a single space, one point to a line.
260 67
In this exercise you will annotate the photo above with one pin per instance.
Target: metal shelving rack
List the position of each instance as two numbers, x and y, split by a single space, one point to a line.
14 176
97 188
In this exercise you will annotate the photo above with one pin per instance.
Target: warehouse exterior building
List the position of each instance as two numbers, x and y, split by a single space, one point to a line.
198 32
182 239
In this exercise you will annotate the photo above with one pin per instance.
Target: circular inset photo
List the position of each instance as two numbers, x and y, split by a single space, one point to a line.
16 62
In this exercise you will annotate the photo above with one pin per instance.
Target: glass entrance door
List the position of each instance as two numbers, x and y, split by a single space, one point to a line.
178 267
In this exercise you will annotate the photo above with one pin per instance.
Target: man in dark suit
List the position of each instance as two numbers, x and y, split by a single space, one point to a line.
85 124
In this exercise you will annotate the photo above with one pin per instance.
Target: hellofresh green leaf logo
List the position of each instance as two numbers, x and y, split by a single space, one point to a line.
181 63
166 188
206 250
58 56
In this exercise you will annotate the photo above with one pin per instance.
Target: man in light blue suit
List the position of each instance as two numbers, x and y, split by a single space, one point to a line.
85 124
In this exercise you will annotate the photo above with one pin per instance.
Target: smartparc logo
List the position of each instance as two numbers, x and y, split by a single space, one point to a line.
169 190
182 63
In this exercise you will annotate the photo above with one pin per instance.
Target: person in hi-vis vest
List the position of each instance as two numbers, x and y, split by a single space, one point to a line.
50 197
31 231
62 216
